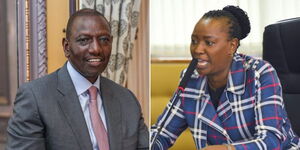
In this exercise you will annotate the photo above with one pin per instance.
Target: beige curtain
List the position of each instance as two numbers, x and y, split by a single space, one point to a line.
123 17
138 70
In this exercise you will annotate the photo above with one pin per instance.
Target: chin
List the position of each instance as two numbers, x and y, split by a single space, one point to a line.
91 74
202 72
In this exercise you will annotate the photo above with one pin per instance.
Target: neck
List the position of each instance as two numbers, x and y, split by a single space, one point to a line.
216 83
92 79
218 80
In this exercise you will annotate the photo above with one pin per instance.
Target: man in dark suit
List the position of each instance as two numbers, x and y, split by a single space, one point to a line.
55 112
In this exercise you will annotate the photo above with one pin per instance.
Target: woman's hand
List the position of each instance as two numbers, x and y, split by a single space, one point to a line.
219 147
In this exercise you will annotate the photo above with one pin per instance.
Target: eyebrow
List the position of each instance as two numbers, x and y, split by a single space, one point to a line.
205 36
83 33
209 37
81 36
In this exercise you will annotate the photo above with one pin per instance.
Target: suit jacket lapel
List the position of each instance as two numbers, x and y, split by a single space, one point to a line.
71 108
112 108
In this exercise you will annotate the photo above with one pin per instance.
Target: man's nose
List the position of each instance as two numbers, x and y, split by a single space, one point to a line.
95 47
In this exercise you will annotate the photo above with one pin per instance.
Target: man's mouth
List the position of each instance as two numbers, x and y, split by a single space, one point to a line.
95 60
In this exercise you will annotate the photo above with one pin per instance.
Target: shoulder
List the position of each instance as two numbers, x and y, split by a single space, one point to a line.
44 81
253 64
40 87
31 92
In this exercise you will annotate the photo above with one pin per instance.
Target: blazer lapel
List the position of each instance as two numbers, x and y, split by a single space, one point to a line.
208 113
71 108
112 108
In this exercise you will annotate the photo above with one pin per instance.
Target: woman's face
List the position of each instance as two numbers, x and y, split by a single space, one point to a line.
212 46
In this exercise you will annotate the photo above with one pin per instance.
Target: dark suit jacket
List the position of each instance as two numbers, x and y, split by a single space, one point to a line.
47 115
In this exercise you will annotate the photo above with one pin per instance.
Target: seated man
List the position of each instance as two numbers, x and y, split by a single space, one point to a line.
75 108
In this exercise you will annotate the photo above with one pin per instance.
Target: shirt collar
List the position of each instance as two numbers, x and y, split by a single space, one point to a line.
80 82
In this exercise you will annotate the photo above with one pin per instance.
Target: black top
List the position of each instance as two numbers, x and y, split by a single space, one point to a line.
215 95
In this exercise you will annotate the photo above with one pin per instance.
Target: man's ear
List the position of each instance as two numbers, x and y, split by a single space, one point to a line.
66 47
233 45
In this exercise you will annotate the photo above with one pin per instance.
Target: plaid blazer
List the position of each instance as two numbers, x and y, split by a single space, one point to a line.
250 114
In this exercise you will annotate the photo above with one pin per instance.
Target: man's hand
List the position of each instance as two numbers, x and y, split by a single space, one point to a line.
219 147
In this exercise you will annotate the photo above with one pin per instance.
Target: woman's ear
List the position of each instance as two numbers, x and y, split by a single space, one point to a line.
233 45
66 47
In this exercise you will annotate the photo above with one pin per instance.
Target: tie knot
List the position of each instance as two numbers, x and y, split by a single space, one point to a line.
93 93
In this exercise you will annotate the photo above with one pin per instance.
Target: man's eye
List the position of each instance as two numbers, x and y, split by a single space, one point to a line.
104 39
83 41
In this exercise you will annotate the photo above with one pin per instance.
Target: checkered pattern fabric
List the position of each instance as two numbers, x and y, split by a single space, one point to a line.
250 114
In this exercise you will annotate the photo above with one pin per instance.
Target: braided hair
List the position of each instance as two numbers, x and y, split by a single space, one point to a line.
239 24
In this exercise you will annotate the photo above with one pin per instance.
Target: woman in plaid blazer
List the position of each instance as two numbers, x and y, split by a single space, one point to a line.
232 101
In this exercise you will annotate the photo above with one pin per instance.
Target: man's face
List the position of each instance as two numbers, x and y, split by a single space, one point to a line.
89 46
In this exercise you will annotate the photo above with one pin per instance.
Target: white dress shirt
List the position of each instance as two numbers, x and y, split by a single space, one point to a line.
81 86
